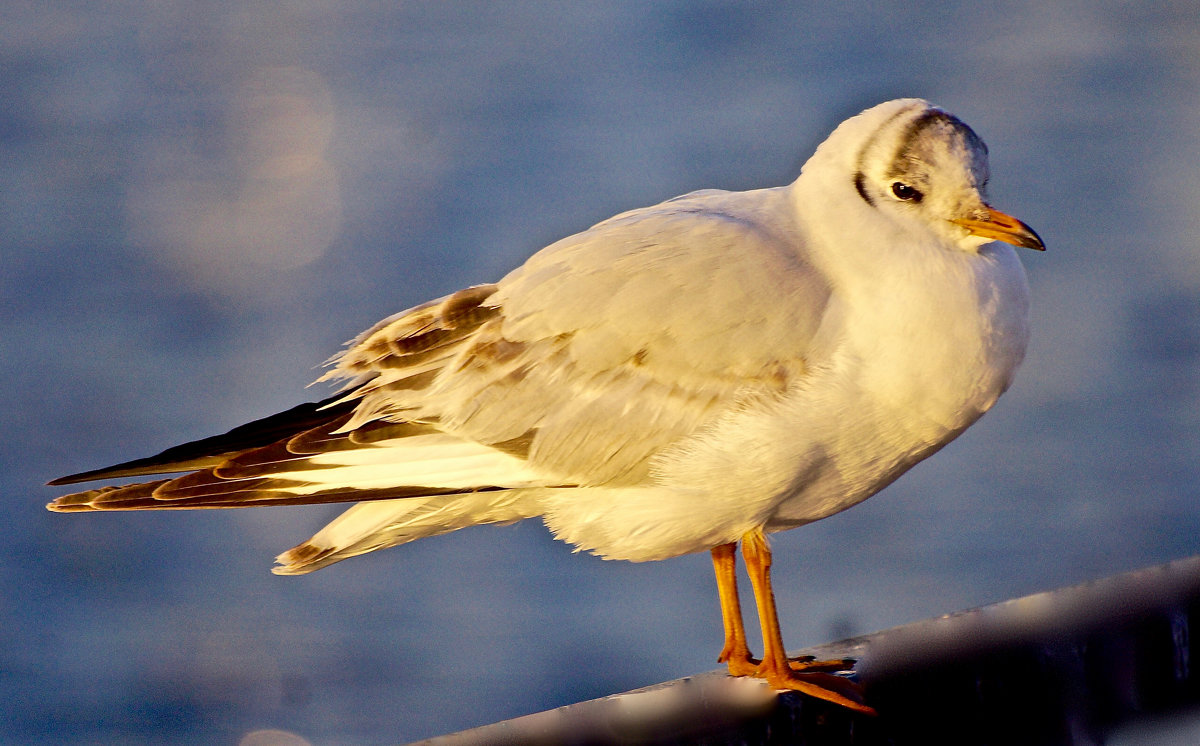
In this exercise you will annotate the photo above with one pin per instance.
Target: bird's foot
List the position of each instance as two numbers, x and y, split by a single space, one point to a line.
810 663
803 674
816 683
741 663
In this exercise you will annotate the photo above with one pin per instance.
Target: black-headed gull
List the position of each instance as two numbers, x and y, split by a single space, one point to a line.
675 379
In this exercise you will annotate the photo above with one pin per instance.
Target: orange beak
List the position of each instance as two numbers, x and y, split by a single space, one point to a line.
999 226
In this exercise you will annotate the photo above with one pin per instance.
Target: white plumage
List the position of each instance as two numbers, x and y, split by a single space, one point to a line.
675 379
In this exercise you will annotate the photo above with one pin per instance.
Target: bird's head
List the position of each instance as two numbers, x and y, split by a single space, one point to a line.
919 166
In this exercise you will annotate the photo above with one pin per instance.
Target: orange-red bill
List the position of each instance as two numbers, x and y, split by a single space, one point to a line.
1000 226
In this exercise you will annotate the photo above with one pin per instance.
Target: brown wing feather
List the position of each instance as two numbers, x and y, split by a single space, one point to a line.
261 492
237 469
244 479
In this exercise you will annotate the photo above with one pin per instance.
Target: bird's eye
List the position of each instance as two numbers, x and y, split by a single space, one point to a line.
905 192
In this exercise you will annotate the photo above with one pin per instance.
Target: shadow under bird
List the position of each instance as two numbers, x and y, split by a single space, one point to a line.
675 379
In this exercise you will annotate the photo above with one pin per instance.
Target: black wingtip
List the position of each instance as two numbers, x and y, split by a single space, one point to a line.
140 468
200 454
83 476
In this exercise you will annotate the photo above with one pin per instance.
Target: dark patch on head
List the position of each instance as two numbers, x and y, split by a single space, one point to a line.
860 179
932 118
860 184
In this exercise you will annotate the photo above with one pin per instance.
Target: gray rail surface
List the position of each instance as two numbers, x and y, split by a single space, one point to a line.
1070 666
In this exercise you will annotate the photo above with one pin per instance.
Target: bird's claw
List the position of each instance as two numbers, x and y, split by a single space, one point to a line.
804 674
835 689
810 663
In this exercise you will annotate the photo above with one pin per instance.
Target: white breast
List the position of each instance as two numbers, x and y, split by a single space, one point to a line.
913 365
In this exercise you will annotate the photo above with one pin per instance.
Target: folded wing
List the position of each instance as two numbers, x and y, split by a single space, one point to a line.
575 370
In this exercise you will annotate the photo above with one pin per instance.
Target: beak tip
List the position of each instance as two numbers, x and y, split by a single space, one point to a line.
1032 240
999 226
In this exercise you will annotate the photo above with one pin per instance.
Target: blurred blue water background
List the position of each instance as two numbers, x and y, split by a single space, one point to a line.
201 201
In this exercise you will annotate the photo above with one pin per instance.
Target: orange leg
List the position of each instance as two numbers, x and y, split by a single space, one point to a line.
775 667
736 652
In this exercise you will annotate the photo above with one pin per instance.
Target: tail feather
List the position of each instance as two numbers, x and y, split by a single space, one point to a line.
145 496
133 496
370 526
380 461
410 478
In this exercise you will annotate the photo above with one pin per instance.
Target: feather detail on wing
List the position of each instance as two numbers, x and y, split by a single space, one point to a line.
381 461
577 361
326 451
575 370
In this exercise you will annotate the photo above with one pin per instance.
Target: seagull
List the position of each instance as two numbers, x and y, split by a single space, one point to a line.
675 379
